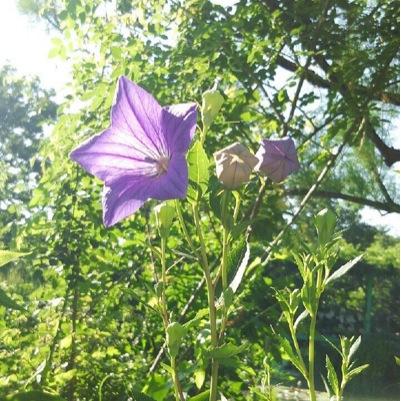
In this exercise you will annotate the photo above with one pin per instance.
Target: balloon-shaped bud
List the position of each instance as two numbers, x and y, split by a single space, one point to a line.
277 158
165 214
234 165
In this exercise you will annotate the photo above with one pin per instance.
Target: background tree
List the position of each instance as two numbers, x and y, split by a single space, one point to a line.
25 110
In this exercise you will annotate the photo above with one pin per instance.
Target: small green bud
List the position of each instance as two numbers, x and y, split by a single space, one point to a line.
165 214
212 101
325 222
175 334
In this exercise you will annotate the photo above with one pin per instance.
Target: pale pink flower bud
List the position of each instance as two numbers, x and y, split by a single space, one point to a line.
234 165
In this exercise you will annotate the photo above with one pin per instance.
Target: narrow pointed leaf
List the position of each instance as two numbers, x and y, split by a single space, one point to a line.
354 347
235 283
301 317
332 376
227 351
204 396
343 269
9 256
356 371
291 355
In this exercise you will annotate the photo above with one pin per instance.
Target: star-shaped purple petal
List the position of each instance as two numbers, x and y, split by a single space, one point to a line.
277 158
142 154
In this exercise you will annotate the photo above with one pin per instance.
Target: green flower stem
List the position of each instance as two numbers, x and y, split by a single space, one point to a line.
225 239
212 306
179 396
164 283
183 226
224 259
224 283
312 331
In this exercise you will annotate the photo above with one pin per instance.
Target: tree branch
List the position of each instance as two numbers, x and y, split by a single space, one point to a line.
390 207
317 80
390 155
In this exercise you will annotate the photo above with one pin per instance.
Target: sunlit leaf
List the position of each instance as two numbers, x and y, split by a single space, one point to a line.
343 269
9 256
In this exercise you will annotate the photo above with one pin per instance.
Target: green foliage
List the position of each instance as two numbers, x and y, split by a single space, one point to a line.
315 268
34 396
348 348
24 110
6 301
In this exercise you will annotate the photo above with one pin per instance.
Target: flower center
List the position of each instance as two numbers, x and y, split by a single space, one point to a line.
162 165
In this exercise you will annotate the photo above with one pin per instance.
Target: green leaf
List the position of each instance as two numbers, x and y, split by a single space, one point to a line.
34 396
139 396
6 301
356 371
326 387
168 368
201 396
66 342
198 165
299 319
9 256
211 105
332 376
175 334
343 269
308 295
238 259
332 345
354 347
198 317
226 351
291 355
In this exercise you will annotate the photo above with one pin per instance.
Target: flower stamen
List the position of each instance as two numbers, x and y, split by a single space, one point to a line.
162 165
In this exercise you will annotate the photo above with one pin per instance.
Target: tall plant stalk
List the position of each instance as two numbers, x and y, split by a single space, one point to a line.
311 352
211 303
179 396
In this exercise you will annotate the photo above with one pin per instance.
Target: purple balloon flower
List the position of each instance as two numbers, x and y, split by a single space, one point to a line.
277 158
142 153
